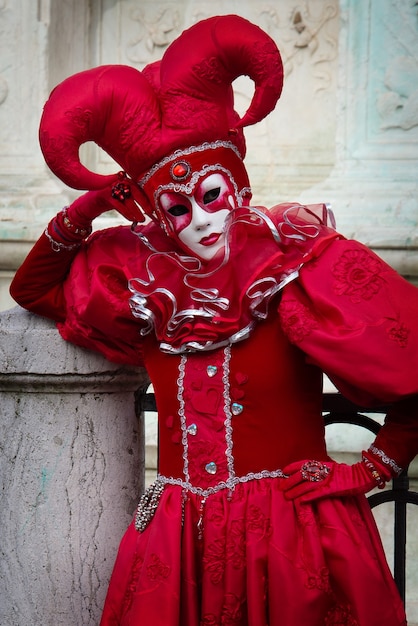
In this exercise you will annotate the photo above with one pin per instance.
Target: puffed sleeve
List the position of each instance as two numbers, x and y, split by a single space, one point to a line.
357 319
38 283
84 288
98 316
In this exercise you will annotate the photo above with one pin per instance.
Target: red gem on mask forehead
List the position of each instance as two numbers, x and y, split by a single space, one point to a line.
180 170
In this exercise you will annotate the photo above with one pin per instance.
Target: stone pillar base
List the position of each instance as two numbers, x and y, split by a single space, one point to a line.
72 472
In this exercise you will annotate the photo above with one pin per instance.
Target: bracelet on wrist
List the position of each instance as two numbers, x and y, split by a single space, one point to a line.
71 228
380 481
392 466
58 246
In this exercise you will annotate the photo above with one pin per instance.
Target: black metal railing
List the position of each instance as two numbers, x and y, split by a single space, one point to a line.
339 410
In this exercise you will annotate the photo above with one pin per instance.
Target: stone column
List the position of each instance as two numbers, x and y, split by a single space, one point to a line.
72 470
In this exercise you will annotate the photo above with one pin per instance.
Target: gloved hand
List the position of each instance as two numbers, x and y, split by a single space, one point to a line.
74 222
312 480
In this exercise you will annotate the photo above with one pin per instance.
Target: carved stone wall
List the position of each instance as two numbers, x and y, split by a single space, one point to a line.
36 51
295 146
345 130
374 183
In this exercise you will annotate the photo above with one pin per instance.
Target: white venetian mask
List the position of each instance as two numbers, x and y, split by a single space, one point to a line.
197 220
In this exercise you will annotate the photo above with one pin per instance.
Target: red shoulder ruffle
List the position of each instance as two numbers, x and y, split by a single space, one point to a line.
191 306
124 285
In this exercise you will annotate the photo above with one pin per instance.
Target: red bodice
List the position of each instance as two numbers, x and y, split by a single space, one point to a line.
252 407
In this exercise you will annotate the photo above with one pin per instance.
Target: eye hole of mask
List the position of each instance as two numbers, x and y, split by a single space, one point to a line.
211 195
177 210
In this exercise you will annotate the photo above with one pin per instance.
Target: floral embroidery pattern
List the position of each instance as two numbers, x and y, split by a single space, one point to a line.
265 59
211 69
235 546
81 118
179 110
57 150
131 586
258 522
319 581
157 570
399 333
215 511
133 124
340 616
232 613
297 320
223 551
202 452
214 560
209 620
358 275
306 517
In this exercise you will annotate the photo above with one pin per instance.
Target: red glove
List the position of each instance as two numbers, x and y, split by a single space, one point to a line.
312 480
74 222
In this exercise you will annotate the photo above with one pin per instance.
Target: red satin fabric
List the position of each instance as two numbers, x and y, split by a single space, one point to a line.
96 293
356 318
183 100
281 395
262 561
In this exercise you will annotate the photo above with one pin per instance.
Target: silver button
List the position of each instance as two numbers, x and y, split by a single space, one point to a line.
211 370
192 429
211 468
236 408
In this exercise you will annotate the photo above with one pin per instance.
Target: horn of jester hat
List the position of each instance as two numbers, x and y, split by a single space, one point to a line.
140 118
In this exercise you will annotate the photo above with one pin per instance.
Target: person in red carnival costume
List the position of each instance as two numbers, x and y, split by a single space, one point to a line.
236 311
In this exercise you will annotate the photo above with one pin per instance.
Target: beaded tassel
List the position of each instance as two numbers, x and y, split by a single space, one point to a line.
148 505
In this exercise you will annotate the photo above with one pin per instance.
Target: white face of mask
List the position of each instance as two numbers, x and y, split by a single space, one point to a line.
198 220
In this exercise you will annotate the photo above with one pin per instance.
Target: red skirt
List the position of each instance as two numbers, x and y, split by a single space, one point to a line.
258 560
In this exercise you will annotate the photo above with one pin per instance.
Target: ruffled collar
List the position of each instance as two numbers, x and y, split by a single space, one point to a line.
191 306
